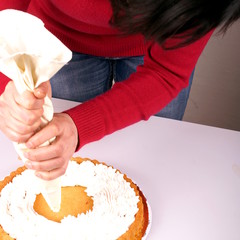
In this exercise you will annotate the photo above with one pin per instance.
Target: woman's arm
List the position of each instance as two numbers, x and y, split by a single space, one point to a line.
154 85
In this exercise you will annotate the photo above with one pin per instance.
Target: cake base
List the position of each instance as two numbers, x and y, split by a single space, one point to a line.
75 201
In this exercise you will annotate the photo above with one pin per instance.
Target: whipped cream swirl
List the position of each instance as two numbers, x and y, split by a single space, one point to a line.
114 206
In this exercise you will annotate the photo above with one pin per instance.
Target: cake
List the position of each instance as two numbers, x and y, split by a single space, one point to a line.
98 202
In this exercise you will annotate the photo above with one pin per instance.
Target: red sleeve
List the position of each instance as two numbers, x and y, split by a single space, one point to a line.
3 82
154 85
14 4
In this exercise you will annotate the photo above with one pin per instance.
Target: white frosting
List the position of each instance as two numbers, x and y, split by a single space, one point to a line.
114 206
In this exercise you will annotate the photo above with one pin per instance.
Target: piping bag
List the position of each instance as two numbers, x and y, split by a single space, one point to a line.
31 55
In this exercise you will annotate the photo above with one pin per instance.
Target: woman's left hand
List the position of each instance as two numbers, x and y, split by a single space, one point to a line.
51 161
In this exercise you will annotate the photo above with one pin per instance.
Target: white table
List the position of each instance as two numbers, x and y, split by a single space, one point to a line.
189 173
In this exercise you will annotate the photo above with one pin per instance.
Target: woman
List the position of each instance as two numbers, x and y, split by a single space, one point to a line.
149 48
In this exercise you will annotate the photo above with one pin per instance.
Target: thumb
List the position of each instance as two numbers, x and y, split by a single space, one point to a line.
43 90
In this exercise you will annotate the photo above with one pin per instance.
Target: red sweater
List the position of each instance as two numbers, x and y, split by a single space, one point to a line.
84 27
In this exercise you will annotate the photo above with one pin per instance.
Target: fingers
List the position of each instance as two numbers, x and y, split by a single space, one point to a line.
48 132
46 165
19 126
19 130
27 117
20 115
15 137
43 90
52 151
29 101
50 175
51 161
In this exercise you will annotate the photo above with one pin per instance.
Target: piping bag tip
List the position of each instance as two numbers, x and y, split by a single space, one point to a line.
51 191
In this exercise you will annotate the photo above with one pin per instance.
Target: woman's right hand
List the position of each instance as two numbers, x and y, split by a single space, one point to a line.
20 115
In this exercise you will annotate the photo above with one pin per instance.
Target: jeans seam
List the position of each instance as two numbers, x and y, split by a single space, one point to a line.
110 76
114 70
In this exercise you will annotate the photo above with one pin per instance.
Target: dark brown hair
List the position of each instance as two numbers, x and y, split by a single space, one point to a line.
188 20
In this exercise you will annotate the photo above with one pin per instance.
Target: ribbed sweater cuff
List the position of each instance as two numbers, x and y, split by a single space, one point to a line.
89 122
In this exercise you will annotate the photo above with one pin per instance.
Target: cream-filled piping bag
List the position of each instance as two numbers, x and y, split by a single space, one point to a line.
31 55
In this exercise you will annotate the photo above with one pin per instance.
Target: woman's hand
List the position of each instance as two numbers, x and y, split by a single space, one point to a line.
20 114
51 161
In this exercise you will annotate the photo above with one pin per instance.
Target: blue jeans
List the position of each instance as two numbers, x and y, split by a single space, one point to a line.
86 77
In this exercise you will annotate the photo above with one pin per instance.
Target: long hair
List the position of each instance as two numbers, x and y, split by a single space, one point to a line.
187 20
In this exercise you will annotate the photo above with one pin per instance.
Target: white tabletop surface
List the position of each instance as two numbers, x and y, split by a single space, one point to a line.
189 173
